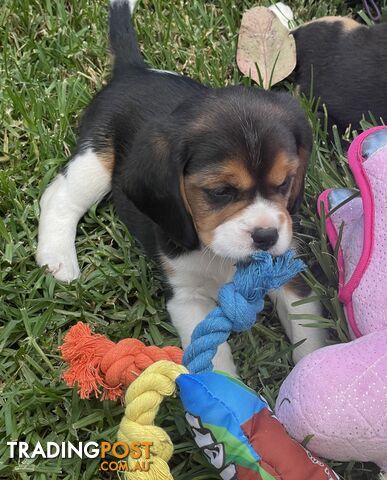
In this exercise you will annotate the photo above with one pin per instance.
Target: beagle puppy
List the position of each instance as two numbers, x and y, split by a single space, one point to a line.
202 178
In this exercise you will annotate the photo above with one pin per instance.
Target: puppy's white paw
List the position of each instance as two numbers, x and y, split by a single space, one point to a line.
61 261
223 360
316 338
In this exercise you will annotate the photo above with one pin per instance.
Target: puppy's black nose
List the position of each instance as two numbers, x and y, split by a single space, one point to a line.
264 238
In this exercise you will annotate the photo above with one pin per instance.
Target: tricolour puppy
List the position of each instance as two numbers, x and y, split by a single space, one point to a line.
202 177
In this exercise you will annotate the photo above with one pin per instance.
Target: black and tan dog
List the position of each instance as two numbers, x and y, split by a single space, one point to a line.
343 64
202 177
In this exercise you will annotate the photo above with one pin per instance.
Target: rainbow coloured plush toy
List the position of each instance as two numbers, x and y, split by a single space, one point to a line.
238 433
231 424
338 394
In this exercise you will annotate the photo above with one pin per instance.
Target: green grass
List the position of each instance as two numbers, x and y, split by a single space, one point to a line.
53 59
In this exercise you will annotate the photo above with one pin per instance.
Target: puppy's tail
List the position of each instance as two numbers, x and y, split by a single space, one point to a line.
123 39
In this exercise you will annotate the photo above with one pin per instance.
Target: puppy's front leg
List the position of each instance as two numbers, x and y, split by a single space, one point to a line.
187 308
85 181
298 329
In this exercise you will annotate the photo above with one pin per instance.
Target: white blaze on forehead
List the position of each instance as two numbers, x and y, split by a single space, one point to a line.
232 239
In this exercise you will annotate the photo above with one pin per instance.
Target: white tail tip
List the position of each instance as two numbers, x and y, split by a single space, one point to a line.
283 12
132 3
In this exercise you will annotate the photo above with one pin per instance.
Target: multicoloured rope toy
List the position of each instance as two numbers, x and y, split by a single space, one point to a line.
233 426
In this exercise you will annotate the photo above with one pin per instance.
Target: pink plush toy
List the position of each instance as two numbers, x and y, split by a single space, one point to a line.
338 394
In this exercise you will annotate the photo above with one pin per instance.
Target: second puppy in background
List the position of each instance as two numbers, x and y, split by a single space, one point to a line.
342 63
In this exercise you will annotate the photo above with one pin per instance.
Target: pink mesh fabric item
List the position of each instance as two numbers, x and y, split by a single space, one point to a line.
338 394
362 258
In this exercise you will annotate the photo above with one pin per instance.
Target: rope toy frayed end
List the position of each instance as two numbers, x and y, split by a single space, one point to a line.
265 272
98 365
83 350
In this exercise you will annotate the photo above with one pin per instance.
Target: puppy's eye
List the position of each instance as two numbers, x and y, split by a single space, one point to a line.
223 194
284 187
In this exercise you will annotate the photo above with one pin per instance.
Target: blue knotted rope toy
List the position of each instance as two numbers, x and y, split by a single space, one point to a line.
239 303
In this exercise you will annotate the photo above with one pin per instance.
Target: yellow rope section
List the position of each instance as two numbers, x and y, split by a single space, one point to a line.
143 399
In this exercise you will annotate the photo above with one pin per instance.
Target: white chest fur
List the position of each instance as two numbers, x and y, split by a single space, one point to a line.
195 279
201 271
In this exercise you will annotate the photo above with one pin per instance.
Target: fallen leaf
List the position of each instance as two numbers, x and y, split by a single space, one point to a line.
266 49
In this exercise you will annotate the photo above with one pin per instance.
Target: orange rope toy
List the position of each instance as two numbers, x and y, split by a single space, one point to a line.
95 362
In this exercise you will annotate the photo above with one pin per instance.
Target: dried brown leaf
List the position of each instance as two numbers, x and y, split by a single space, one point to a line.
266 49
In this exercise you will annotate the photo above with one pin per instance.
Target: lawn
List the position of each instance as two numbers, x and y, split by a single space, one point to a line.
54 57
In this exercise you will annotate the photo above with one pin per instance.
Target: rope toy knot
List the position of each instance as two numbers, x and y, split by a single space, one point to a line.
95 362
239 303
129 357
239 311
143 399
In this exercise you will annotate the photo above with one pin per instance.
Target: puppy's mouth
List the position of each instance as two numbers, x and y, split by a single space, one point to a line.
234 241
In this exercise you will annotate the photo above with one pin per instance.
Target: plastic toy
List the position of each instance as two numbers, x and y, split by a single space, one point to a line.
338 394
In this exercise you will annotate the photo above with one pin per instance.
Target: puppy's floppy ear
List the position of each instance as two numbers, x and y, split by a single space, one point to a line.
157 160
303 136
